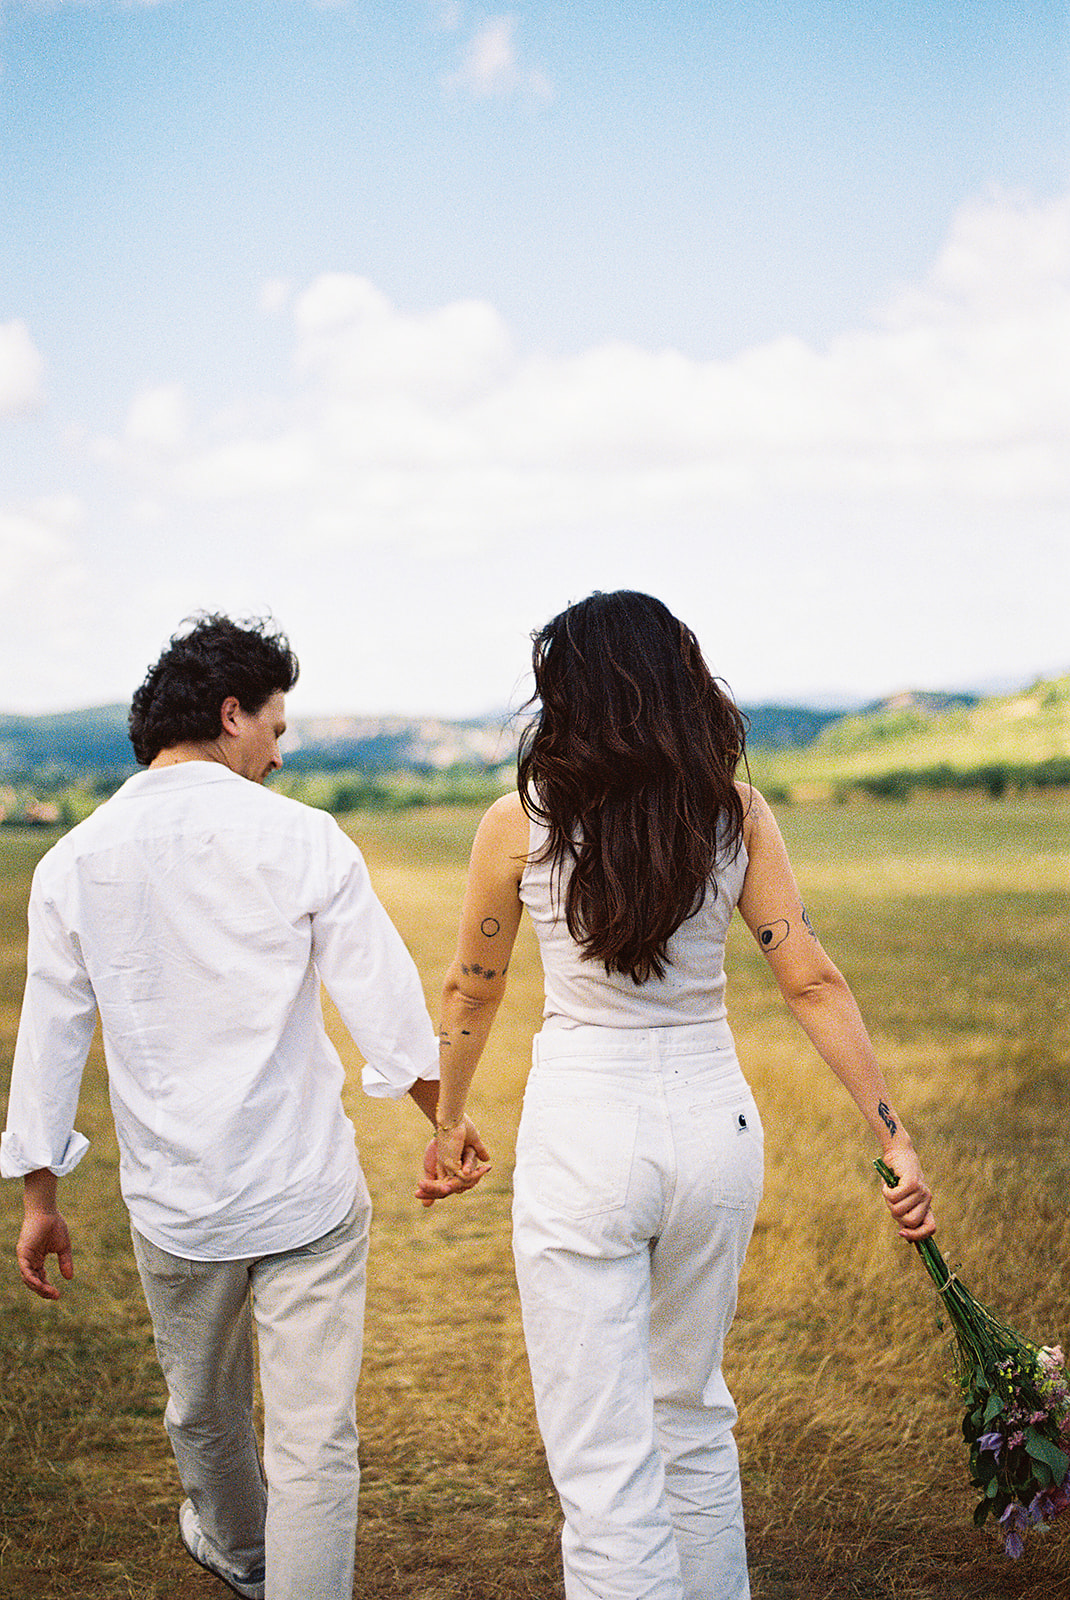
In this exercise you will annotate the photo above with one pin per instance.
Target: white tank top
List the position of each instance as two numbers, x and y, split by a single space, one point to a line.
580 992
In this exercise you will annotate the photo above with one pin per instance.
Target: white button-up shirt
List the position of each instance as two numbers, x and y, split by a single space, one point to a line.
198 912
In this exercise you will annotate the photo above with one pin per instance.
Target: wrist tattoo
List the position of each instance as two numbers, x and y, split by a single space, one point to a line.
885 1114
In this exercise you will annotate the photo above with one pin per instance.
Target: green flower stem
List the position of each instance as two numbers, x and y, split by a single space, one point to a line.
982 1341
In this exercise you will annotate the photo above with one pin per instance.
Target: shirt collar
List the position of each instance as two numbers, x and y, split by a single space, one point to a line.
183 775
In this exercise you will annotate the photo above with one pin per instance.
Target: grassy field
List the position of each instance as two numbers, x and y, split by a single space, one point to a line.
950 921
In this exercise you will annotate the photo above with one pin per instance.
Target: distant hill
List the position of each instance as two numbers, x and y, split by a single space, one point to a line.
73 745
786 727
70 745
66 745
397 744
795 745
923 734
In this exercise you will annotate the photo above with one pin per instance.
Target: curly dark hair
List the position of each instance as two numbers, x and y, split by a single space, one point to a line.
182 696
630 763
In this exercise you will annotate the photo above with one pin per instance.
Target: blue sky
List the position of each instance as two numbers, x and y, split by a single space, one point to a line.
411 322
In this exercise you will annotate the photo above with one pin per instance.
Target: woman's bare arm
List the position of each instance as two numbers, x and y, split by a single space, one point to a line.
475 981
818 996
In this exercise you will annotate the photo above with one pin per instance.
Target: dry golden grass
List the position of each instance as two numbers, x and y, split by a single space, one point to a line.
950 921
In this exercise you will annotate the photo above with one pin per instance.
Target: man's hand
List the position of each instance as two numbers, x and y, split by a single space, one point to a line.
436 1183
44 1234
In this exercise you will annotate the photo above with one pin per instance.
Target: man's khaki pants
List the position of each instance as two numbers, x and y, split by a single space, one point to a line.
308 1309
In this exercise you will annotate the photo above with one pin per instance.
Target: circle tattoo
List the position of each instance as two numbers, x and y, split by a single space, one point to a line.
489 927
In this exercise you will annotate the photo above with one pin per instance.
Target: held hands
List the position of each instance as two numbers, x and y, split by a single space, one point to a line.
454 1162
44 1233
909 1200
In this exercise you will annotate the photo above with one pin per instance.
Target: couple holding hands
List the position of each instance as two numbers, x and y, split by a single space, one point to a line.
198 913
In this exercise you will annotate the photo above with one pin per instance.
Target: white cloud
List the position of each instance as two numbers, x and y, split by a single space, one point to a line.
21 370
432 427
353 342
491 68
249 468
902 491
158 419
31 542
1004 253
44 596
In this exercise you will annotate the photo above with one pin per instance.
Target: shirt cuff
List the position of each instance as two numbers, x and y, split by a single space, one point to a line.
17 1159
382 1088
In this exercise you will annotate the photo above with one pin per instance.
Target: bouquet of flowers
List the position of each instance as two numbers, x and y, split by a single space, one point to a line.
1017 1421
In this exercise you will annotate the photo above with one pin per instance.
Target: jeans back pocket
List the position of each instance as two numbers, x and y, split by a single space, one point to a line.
579 1154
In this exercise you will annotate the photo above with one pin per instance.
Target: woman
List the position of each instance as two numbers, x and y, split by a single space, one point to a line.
639 1152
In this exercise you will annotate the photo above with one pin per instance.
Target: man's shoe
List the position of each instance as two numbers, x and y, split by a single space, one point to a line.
205 1555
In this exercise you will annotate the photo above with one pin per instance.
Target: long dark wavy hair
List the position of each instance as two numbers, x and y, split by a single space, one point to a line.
182 696
629 762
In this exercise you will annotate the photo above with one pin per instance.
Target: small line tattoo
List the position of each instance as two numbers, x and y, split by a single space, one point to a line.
809 924
885 1114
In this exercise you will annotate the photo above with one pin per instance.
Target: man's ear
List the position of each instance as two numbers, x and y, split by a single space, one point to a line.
228 714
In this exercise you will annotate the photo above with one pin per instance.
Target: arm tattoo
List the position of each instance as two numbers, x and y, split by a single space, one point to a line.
489 927
476 971
885 1114
809 924
770 934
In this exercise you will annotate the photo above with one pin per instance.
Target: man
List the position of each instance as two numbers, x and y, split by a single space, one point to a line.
198 913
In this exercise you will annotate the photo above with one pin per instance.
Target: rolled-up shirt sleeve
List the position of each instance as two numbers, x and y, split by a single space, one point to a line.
372 979
55 1031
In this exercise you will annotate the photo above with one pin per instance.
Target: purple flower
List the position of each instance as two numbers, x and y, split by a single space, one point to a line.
1040 1510
1014 1545
991 1441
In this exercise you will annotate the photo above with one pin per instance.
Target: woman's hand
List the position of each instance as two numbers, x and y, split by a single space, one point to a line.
910 1200
454 1161
461 1152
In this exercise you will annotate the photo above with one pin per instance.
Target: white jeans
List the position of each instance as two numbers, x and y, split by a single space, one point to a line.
308 1309
639 1171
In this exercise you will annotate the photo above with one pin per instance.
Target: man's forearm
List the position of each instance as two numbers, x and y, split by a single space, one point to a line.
39 1191
425 1093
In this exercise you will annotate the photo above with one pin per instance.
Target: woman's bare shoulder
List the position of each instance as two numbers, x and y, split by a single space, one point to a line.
755 808
505 825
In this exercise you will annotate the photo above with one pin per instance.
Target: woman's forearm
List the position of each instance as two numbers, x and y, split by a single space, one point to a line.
466 1021
829 1015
